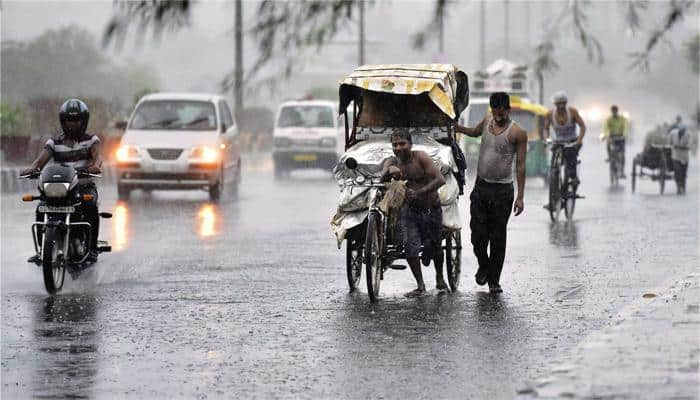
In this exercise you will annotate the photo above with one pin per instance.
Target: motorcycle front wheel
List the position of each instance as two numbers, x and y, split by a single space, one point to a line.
53 265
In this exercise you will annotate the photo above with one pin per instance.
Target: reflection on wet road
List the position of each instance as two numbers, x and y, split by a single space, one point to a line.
248 298
120 226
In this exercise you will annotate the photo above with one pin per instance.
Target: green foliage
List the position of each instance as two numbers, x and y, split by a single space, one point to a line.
677 9
691 49
13 121
65 63
325 93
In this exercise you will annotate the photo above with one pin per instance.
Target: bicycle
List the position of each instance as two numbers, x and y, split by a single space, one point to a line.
562 188
617 151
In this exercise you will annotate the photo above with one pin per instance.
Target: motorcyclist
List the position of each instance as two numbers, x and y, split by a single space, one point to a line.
563 121
81 150
615 131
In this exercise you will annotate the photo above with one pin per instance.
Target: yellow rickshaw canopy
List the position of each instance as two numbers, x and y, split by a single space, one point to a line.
524 104
446 85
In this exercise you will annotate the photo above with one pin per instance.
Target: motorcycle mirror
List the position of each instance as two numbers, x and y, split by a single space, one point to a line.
351 163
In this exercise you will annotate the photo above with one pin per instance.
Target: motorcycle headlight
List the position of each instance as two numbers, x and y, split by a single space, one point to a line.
328 142
205 154
56 189
127 154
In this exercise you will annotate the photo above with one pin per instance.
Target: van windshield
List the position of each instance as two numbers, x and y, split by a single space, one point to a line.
477 112
178 115
306 117
525 119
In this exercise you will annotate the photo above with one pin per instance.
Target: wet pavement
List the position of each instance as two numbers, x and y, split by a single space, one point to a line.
249 299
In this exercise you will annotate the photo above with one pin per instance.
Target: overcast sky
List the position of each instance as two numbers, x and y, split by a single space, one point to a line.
198 57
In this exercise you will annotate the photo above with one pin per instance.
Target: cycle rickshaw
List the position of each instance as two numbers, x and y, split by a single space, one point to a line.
653 163
425 99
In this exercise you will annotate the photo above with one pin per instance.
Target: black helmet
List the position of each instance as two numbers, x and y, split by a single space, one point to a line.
74 109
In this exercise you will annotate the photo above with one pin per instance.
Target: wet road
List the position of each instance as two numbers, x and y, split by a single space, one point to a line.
249 298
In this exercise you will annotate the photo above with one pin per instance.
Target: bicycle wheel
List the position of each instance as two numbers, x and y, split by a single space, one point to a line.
555 188
453 257
353 262
372 257
570 203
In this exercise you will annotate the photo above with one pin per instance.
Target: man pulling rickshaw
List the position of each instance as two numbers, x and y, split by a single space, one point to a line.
420 216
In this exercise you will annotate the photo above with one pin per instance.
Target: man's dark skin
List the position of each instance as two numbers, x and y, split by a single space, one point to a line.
423 180
45 156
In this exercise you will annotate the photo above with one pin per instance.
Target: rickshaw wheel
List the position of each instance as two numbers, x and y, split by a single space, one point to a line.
372 257
353 262
453 258
662 174
634 174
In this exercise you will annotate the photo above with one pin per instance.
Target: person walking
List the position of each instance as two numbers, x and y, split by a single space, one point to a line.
680 146
502 142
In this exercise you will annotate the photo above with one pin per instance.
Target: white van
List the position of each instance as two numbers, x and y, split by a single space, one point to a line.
307 134
177 141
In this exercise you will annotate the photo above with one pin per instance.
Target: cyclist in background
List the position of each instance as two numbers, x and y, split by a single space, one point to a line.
615 131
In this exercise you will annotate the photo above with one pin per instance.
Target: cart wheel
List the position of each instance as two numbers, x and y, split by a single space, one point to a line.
353 263
662 174
373 257
634 174
453 257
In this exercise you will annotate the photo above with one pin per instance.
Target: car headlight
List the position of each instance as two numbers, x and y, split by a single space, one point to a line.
56 189
127 154
328 142
205 154
282 142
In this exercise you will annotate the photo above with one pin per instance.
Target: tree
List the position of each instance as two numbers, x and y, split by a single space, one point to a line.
64 63
13 121
692 53
284 29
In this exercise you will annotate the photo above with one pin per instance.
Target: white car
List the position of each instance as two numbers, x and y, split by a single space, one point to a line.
307 134
179 141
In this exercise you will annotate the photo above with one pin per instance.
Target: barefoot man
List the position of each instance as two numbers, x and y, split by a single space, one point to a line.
502 142
420 216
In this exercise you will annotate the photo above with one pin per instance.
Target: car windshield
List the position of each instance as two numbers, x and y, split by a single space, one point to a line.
525 119
175 115
306 117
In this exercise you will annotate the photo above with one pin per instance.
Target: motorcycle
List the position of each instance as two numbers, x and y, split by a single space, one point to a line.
62 240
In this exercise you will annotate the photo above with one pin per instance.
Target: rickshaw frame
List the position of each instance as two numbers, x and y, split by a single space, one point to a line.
372 242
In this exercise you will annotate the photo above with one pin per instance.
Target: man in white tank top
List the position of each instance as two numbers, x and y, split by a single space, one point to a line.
502 142
564 121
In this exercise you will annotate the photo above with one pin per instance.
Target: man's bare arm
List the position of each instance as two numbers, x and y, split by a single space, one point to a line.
547 123
39 163
581 125
386 166
521 148
95 159
473 132
432 171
